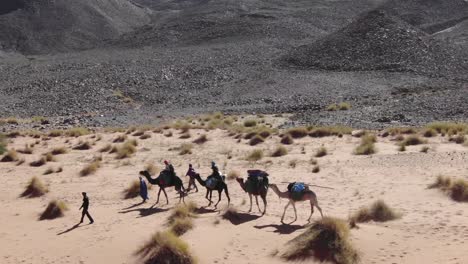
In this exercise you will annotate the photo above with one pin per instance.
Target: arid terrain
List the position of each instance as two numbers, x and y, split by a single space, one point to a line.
431 228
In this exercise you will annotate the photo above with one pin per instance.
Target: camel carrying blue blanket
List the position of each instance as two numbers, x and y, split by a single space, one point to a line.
297 190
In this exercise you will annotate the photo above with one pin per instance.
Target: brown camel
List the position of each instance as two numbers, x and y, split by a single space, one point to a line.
220 187
258 190
176 182
307 196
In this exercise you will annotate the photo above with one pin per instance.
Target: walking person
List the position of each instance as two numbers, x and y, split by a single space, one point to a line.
191 173
85 207
143 190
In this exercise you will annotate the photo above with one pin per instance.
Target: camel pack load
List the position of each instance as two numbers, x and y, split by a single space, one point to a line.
297 189
256 179
165 177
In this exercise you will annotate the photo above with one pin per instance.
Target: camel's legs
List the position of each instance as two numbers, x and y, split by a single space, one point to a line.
295 211
286 207
264 203
219 198
258 206
159 193
250 196
318 207
165 194
311 209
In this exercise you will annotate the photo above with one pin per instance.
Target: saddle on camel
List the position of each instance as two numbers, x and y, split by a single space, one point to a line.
297 190
256 179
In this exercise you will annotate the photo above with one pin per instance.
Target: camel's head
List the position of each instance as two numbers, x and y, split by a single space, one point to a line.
145 173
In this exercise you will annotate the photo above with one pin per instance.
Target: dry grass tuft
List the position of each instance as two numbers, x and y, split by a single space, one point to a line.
145 136
38 163
133 190
456 189
330 131
378 211
185 135
250 123
59 151
425 149
55 209
298 132
256 140
287 140
316 169
459 139
321 152
165 247
413 140
367 146
77 131
326 240
185 149
90 168
26 150
120 138
35 188
183 211
180 226
10 156
83 146
152 169
49 157
106 148
126 149
429 132
279 151
232 175
201 139
49 170
255 155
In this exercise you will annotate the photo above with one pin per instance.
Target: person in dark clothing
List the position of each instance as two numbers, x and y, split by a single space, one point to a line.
191 173
85 207
215 174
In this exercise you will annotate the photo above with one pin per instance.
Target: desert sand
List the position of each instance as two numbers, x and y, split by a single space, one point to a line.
433 228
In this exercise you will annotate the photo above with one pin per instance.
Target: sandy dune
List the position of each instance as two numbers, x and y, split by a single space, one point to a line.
433 229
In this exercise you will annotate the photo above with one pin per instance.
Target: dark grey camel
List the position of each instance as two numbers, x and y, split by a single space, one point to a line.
259 190
176 182
220 186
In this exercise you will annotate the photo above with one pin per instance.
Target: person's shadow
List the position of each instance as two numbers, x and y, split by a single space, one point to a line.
134 205
283 229
70 229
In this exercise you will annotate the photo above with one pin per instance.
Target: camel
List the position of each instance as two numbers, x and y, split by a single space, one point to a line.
259 190
177 183
308 195
220 186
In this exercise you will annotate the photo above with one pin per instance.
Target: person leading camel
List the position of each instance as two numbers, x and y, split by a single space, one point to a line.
192 174
306 195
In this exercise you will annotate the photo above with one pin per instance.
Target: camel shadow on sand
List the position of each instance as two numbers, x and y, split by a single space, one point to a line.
239 218
283 229
204 210
145 211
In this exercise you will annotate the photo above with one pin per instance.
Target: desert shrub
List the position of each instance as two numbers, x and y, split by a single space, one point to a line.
448 127
2 144
279 151
250 123
49 157
106 148
185 135
55 133
180 226
130 130
286 140
429 132
316 169
133 190
232 175
126 149
250 135
255 155
90 168
413 140
332 107
298 132
201 139
425 149
20 161
367 146
330 131
10 156
35 188
37 163
83 146
165 247
120 138
326 240
256 140
55 209
182 211
264 133
459 139
77 131
185 149
58 151
442 182
49 170
321 152
293 163
26 150
168 134
313 161
379 211
402 148
13 134
145 136
459 190
138 133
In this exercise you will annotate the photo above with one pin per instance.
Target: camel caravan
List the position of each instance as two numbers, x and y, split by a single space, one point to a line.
257 184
